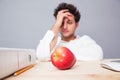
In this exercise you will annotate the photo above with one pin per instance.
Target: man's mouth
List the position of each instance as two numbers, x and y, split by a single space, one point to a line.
65 31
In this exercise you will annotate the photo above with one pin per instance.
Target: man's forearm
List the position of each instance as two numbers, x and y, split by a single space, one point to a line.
43 48
55 30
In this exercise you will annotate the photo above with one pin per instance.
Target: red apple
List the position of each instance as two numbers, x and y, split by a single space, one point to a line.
63 58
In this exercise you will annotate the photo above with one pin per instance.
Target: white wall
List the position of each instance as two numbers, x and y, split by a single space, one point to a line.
24 22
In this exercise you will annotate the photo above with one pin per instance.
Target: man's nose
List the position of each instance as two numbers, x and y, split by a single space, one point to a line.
65 24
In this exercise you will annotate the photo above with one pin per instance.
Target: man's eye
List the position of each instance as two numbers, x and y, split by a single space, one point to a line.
69 22
62 23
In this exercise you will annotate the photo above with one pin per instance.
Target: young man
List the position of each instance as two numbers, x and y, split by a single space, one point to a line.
67 17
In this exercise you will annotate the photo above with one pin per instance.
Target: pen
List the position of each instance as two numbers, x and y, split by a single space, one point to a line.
23 70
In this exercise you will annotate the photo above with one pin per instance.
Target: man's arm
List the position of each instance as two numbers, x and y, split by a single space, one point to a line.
49 41
59 22
43 48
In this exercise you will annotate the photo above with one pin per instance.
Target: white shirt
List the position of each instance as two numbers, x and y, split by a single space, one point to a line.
84 48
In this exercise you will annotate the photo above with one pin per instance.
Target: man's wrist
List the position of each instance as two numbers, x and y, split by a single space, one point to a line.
55 28
48 36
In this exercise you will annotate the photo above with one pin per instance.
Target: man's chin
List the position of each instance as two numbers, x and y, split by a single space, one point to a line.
66 36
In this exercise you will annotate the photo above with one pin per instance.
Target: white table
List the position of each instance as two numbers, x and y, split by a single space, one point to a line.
82 70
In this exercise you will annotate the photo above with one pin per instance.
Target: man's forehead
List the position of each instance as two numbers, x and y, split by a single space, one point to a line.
69 20
70 17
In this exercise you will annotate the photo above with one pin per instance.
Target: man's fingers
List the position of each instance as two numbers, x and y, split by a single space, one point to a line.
62 15
68 14
65 10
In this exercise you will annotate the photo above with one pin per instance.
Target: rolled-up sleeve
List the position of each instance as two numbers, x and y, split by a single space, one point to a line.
43 48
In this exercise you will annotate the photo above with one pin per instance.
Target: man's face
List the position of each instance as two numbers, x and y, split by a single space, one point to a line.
68 27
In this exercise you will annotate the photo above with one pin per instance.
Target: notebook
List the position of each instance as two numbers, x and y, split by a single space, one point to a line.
112 65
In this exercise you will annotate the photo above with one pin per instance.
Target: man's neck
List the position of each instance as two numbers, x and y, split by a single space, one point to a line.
68 38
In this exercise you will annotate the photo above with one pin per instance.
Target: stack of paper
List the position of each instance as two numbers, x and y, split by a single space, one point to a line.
13 59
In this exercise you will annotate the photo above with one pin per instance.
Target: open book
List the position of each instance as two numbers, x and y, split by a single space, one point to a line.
112 65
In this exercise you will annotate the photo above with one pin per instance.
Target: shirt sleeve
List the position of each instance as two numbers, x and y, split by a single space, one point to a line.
43 48
91 50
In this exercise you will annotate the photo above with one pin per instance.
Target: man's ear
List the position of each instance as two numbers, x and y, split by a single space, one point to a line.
76 24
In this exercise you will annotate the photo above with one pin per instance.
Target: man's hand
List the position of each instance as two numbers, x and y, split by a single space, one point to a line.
61 16
60 19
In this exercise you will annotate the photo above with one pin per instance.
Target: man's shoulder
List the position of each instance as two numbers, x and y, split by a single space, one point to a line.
86 38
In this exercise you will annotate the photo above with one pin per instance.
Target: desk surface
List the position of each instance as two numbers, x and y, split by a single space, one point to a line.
90 70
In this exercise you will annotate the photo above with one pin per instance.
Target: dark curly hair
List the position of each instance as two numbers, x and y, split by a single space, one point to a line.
72 9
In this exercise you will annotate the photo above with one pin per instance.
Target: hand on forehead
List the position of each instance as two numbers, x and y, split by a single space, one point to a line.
69 15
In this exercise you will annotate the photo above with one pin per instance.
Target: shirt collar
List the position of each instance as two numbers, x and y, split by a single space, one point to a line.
77 37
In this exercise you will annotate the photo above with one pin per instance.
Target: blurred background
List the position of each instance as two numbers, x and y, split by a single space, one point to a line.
24 22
